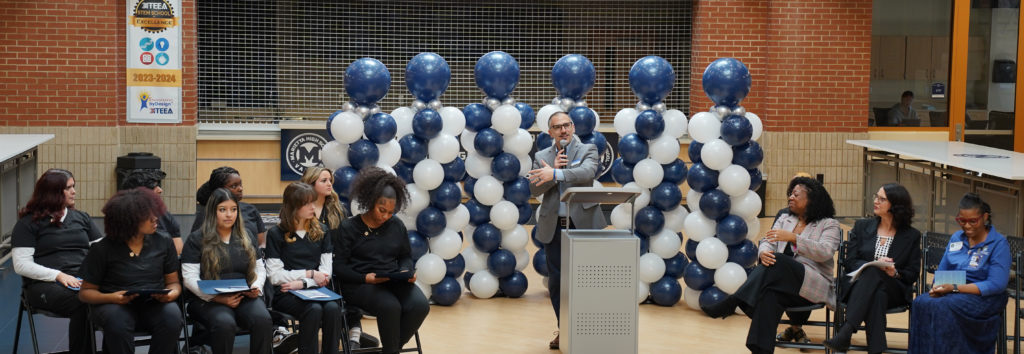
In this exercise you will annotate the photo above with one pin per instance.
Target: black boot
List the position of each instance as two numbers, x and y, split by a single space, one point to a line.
841 342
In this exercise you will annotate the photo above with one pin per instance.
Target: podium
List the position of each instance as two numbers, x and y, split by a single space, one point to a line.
599 300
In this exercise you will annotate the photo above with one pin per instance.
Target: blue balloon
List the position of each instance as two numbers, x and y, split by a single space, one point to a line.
426 124
454 171
736 130
513 286
414 149
505 166
362 153
649 125
479 214
755 179
666 291
702 178
732 229
497 74
343 178
367 80
430 222
749 155
645 244
632 148
446 292
715 204
675 172
526 114
446 197
380 128
487 238
533 238
455 266
468 185
622 172
517 191
427 76
501 263
675 266
584 119
466 278
697 277
477 116
693 151
711 296
330 120
598 140
488 142
691 250
744 254
666 196
404 171
726 81
573 76
651 78
649 221
418 244
525 213
543 141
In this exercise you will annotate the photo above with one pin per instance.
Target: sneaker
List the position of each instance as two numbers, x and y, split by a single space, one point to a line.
367 340
285 343
554 342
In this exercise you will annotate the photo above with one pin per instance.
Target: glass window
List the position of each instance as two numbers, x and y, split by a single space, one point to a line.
991 73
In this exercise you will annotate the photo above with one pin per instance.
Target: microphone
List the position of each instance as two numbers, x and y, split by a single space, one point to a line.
562 144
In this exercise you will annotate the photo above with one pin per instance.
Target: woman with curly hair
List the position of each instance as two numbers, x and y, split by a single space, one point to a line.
373 244
888 236
228 177
132 258
299 256
167 225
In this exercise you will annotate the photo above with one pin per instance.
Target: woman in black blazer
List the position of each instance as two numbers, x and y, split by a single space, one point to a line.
887 236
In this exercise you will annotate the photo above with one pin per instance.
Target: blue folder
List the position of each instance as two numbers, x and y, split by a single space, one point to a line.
318 294
223 286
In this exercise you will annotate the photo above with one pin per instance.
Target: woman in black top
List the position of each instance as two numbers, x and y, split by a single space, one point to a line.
375 243
227 177
299 257
50 242
166 225
133 258
222 249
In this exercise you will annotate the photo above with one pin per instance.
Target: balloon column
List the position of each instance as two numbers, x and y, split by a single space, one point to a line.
498 148
649 149
724 175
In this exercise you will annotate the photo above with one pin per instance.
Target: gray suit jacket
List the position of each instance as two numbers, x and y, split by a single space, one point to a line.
580 172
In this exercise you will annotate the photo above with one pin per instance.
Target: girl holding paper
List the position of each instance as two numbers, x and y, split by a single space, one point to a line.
222 249
299 256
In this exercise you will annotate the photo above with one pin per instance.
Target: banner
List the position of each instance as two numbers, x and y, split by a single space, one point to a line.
153 72
300 149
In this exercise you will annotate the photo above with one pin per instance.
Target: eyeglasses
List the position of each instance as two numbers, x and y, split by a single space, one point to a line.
965 221
880 199
561 126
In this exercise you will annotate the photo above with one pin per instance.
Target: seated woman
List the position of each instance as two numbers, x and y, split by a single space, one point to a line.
227 177
886 237
299 256
965 318
132 258
167 225
50 240
374 243
222 249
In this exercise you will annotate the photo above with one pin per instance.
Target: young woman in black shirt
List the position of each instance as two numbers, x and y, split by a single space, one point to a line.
50 241
372 244
299 256
228 177
222 249
133 258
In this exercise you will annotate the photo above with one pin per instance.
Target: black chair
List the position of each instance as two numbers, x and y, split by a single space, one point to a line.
1000 120
840 313
345 329
938 118
933 246
808 345
25 307
881 116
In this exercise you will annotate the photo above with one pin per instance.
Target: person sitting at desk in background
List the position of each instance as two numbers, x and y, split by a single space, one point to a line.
965 318
228 177
151 179
903 110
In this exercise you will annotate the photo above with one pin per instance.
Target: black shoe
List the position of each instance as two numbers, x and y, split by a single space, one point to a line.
289 343
723 309
837 344
353 345
368 341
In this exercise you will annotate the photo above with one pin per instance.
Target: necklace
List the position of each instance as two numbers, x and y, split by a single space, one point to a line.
370 230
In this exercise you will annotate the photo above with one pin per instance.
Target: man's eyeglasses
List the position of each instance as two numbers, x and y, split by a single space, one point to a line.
561 126
965 221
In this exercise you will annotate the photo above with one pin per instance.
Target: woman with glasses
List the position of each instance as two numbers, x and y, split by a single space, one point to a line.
886 237
964 318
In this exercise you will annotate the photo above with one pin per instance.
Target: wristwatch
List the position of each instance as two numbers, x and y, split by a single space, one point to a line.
955 290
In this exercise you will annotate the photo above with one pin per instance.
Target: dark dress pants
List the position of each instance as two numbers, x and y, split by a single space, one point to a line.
313 316
119 322
223 324
400 308
60 300
781 290
869 297
553 258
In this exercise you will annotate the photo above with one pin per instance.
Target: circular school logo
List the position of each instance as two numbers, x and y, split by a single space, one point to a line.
606 160
304 152
982 156
153 16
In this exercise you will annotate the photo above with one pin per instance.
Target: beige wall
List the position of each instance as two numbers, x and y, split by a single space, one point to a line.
814 153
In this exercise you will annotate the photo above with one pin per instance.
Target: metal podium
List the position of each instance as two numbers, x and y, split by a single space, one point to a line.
599 301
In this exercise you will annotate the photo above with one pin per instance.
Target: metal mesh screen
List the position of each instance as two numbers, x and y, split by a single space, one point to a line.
265 61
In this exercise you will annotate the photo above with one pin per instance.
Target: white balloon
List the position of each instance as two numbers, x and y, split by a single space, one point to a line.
428 174
674 219
544 114
698 227
622 216
518 143
403 116
506 119
347 127
515 239
756 123
504 214
430 268
664 149
525 164
408 220
704 126
334 155
390 153
625 121
665 244
457 218
734 180
693 199
522 259
675 123
387 168
716 154
729 277
753 228
443 148
642 291
466 138
650 268
648 173
453 119
641 200
746 205
712 253
418 200
475 260
483 284
477 166
425 288
447 244
691 297
488 191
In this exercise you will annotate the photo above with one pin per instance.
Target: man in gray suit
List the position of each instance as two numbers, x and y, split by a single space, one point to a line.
568 162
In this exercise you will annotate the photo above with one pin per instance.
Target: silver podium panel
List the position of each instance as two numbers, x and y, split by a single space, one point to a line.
599 305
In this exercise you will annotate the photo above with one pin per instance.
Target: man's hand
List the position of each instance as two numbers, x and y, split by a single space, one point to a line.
561 160
542 175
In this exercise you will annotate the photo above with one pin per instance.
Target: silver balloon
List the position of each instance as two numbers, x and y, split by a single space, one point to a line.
556 101
739 111
581 103
508 101
659 107
722 111
641 106
435 105
374 109
348 106
567 104
492 103
418 105
363 111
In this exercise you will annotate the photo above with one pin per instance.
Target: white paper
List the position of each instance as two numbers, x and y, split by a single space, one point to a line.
231 289
311 293
880 264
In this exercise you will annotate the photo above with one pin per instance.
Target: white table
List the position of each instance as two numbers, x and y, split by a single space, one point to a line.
17 176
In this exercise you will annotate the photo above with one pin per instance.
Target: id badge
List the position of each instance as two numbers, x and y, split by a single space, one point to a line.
956 246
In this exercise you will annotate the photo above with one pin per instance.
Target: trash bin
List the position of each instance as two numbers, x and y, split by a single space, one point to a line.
135 161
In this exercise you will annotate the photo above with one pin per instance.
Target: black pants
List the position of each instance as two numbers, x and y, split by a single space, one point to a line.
313 316
223 322
400 308
60 300
553 258
781 290
869 297
162 320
